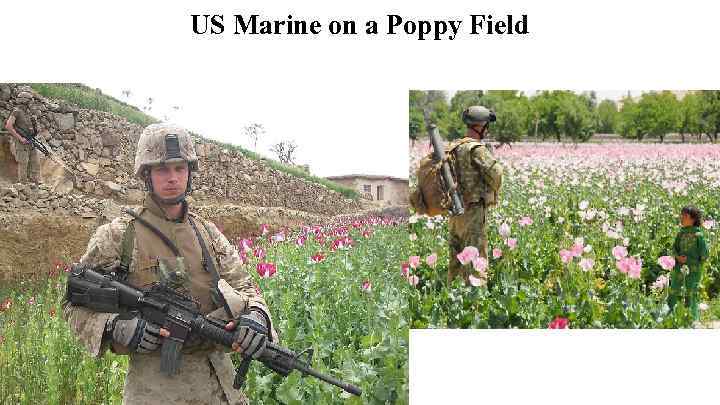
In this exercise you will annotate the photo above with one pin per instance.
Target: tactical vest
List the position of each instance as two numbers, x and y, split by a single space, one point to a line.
471 178
156 262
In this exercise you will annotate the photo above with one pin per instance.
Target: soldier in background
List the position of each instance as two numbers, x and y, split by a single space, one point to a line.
27 157
164 160
479 177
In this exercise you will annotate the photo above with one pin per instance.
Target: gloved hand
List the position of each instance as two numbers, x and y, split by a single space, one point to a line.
252 334
137 334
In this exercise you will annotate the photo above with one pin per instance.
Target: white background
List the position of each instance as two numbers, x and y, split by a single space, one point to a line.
347 98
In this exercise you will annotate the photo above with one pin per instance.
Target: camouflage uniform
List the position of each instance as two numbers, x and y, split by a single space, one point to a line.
479 177
206 375
27 157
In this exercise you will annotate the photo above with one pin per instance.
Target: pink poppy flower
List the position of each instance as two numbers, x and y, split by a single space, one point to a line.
511 243
566 256
266 270
619 252
367 286
525 221
278 237
264 229
431 260
559 323
317 257
414 261
480 264
708 224
587 264
497 253
476 281
366 233
662 282
623 265
635 268
576 250
245 244
259 253
666 262
504 230
405 269
413 280
300 241
468 254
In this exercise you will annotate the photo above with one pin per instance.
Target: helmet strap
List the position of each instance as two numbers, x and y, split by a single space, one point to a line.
480 133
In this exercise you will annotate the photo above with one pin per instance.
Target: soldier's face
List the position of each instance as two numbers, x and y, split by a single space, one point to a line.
169 180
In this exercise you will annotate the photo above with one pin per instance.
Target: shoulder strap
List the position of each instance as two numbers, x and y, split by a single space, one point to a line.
209 266
156 231
207 260
128 243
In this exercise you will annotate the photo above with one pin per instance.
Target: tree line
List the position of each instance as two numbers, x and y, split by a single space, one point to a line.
566 115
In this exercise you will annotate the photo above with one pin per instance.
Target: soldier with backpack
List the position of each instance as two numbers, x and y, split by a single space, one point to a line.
479 178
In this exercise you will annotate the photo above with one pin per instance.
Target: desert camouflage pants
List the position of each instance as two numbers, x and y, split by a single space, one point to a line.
28 161
468 229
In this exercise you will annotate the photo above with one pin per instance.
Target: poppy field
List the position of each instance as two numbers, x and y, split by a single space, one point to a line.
582 238
335 288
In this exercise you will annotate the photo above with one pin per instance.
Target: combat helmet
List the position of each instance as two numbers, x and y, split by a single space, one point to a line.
477 114
164 143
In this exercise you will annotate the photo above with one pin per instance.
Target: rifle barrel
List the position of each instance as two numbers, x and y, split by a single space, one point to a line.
301 367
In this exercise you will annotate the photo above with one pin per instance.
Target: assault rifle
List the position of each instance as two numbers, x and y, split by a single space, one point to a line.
180 315
32 140
447 174
38 145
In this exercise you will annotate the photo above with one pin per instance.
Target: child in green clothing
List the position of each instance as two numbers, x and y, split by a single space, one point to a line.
691 251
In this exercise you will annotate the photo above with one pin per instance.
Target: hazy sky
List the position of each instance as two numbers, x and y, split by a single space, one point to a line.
334 138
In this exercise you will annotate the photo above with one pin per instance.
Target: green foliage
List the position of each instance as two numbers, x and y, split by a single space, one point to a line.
359 336
710 113
607 117
563 113
93 99
658 114
515 120
655 115
527 287
560 114
690 110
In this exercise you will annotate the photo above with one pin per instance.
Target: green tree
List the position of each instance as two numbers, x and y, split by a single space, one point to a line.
435 102
658 115
690 114
562 113
575 117
512 120
607 117
710 113
628 118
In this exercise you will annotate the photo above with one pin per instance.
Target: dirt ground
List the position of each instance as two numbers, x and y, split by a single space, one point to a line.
30 243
